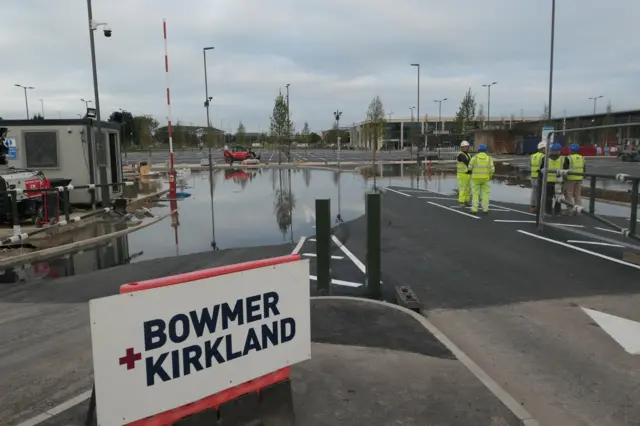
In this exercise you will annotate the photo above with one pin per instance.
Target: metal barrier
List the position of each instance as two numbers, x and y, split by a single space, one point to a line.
631 232
66 207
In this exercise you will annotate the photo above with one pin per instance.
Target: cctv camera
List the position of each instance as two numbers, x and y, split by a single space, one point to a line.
107 31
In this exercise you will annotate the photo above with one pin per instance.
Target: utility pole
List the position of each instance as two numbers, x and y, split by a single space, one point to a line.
439 101
207 101
288 124
418 103
101 151
595 99
488 86
42 107
26 99
337 115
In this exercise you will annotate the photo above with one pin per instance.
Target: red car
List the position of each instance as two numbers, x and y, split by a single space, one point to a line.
238 153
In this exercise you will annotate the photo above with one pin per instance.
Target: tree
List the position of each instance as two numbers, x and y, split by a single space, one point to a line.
375 126
241 134
127 127
38 117
306 173
281 126
145 127
314 138
609 108
305 133
480 118
466 112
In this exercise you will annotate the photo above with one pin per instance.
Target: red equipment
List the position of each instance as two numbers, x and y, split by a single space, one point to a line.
237 153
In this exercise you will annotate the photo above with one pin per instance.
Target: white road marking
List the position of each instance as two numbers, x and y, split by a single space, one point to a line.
607 230
350 255
397 192
338 282
569 225
57 409
512 210
514 221
593 253
595 243
299 245
437 198
624 331
312 239
315 255
453 210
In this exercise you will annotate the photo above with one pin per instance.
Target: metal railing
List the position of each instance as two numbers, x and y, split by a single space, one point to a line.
66 207
620 177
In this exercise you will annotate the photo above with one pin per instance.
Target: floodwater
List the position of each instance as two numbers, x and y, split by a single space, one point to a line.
251 207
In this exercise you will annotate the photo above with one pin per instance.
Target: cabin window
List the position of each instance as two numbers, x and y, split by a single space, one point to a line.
41 149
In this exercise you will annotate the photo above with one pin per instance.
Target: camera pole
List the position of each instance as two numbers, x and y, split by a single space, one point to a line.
172 171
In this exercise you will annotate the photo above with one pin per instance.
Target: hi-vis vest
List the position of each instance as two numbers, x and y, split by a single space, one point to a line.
462 168
554 165
536 160
576 165
481 167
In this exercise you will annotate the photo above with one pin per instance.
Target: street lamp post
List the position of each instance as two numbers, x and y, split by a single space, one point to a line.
26 99
488 86
337 115
207 99
411 109
418 106
42 106
99 138
86 103
595 100
439 101
288 123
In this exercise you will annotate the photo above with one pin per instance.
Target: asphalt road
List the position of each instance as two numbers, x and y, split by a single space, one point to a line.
513 302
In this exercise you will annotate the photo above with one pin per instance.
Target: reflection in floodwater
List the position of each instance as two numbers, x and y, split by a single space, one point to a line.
111 253
284 203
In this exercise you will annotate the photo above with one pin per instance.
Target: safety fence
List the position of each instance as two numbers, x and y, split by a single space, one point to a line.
46 214
442 153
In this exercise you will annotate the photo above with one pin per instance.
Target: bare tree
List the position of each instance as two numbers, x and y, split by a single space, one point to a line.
375 125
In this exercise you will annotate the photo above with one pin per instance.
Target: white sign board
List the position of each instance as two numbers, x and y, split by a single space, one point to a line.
158 349
10 143
545 134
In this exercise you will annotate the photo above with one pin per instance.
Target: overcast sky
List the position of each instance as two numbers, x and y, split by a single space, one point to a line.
335 54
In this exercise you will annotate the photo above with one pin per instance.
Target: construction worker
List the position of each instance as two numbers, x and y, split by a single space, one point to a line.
556 162
573 185
482 170
536 160
464 175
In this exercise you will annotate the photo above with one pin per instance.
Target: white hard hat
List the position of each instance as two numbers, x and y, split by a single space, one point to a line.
463 144
542 145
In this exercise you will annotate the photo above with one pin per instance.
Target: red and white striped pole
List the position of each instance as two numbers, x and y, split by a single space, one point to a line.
172 172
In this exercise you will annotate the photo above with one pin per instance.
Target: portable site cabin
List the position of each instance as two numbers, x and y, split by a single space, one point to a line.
66 149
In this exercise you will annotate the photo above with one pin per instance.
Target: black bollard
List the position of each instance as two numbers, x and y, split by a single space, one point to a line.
373 210
323 246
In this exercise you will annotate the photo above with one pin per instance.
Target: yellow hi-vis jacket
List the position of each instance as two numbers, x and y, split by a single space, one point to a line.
462 167
554 165
576 165
536 161
482 167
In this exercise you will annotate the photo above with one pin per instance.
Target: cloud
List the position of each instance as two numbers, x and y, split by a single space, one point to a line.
334 54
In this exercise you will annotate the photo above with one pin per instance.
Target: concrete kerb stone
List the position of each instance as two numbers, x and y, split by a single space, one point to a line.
68 248
510 402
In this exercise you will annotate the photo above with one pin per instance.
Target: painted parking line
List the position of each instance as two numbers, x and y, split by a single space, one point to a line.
580 249
315 255
453 210
339 282
514 221
397 192
613 231
569 225
299 245
350 255
595 243
52 412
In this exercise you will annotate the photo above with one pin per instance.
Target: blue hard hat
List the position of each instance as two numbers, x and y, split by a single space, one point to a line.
575 147
556 147
482 148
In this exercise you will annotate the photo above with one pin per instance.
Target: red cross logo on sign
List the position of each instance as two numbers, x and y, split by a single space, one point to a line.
130 359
